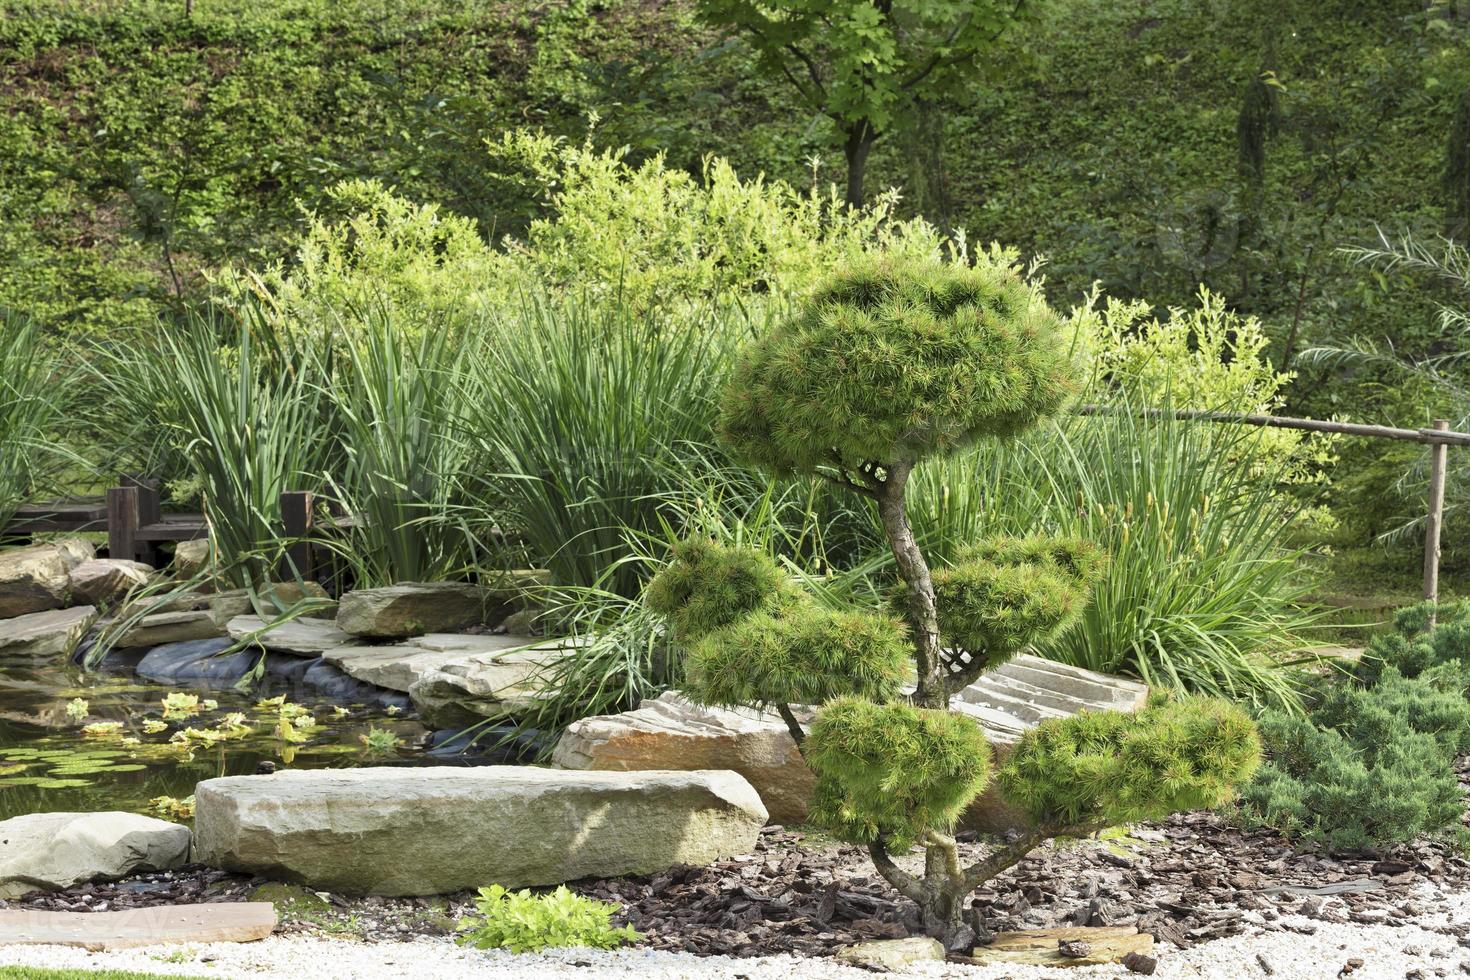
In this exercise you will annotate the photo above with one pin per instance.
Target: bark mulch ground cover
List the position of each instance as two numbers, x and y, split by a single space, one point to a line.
1189 879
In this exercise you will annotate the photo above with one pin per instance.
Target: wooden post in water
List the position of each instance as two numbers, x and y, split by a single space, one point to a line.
1438 453
296 506
122 522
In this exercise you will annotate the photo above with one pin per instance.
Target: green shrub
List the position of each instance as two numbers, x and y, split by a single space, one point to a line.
1369 770
892 361
1003 595
707 586
892 772
1414 646
1101 768
799 654
897 359
524 923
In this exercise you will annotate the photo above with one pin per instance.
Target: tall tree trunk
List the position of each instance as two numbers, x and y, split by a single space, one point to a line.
860 139
923 611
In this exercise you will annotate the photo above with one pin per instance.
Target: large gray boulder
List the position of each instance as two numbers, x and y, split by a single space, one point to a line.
426 831
58 850
37 577
55 632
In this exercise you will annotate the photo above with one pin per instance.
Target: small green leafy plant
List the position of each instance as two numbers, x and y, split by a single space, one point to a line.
524 923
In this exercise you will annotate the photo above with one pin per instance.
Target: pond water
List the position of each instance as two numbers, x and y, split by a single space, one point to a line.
108 740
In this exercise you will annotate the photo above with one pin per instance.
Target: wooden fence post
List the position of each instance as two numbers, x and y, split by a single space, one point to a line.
150 511
1438 451
296 507
122 522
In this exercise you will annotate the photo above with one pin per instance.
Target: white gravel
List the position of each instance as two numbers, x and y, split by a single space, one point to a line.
1387 952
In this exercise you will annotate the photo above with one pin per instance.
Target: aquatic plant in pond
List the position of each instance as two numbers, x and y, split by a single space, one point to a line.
71 740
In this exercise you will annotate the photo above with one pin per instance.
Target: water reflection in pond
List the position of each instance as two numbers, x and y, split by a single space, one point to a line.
107 740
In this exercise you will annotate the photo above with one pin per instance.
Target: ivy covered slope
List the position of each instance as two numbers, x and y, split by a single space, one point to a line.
144 146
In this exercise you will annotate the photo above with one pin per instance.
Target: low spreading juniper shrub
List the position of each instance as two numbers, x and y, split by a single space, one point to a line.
1416 643
1370 768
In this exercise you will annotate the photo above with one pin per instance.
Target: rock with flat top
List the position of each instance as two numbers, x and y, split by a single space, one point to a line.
427 831
104 581
209 922
1050 947
303 637
58 850
892 955
468 688
412 608
671 731
180 626
398 666
37 577
55 632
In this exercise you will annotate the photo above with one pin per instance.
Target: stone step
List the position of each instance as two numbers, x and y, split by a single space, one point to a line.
437 830
212 922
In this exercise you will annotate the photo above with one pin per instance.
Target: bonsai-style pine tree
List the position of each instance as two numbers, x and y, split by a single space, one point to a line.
889 364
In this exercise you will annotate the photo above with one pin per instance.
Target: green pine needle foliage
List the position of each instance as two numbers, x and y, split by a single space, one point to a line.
1101 768
893 770
1369 769
895 359
524 923
1413 647
753 637
1005 594
707 586
803 654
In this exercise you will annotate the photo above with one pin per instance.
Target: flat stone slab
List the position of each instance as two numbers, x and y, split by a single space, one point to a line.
177 626
397 666
1038 947
470 687
55 632
211 922
436 830
304 637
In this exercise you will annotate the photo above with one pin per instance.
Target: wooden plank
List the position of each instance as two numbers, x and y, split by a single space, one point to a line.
186 529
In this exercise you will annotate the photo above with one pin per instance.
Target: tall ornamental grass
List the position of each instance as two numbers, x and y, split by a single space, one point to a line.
405 460
32 405
242 406
1199 592
587 417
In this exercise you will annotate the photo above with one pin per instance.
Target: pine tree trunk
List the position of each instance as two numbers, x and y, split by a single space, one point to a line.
923 611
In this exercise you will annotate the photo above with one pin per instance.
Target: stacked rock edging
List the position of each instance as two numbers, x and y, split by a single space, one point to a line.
426 831
671 732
